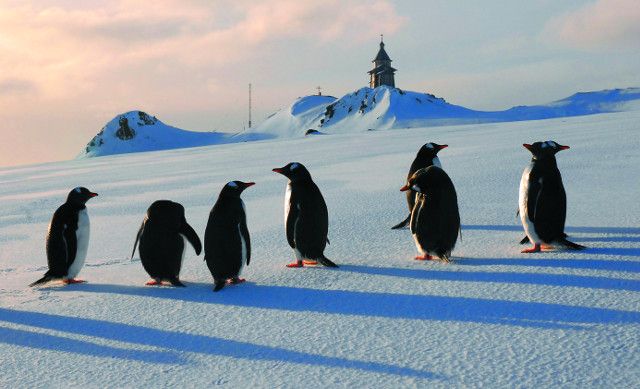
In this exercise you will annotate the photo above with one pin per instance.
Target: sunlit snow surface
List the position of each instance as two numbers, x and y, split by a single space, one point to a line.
492 318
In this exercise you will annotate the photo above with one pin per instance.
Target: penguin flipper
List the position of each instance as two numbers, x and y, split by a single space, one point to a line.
402 224
326 262
525 240
191 236
135 244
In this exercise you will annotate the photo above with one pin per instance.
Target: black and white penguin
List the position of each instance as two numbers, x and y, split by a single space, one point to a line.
427 156
161 238
542 200
306 219
227 245
68 238
435 220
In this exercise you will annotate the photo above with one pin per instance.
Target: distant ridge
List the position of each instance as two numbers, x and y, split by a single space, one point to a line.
386 108
137 131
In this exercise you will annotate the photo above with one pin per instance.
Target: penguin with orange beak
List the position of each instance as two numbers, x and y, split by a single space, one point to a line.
542 199
435 219
427 156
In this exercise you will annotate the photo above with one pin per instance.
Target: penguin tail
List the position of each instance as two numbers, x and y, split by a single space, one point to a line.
570 245
218 285
525 240
402 224
47 277
174 281
326 262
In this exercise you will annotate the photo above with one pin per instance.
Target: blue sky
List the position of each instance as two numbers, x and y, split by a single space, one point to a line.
66 70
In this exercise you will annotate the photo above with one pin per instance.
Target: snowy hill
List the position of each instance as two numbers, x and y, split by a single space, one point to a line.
493 318
137 131
385 108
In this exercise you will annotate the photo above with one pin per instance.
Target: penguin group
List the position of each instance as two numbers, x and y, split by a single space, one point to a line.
434 222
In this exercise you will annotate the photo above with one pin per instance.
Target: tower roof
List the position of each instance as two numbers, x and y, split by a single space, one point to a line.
382 54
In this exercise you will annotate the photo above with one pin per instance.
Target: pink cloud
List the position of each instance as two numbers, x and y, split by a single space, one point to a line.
603 24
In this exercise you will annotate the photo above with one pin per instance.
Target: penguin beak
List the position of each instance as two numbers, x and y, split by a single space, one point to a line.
248 184
561 147
278 170
442 147
527 146
92 194
404 188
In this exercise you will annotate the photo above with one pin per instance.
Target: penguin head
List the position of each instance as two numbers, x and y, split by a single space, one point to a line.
235 188
541 150
424 180
430 150
295 171
80 195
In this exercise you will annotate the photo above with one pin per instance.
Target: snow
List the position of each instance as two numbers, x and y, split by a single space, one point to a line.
492 318
136 131
386 108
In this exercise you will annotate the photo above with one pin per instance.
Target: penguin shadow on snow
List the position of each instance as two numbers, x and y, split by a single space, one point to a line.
174 344
606 235
38 340
393 305
570 280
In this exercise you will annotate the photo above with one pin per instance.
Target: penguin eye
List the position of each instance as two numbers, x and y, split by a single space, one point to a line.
415 187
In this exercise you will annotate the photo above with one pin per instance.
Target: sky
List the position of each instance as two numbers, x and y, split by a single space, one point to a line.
67 69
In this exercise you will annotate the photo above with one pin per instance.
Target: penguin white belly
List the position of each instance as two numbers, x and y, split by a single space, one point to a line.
287 204
243 249
82 239
436 162
523 197
416 213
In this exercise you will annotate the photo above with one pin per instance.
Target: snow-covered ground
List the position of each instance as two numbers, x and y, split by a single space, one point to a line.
492 318
386 108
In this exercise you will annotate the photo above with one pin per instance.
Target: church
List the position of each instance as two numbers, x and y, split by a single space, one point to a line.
382 72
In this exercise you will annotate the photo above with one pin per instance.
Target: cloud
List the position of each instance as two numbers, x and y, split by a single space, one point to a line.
15 86
603 24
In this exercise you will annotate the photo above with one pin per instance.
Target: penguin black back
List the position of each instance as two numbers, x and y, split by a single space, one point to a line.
161 243
426 156
227 244
435 219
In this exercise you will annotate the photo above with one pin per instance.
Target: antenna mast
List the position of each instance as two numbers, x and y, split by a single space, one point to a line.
249 105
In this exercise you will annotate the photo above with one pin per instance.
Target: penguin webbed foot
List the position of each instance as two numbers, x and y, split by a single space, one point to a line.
423 257
235 280
69 281
153 282
295 264
535 249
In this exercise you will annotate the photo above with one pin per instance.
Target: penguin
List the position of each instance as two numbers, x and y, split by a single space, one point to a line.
542 199
435 219
68 238
427 156
161 238
227 245
306 219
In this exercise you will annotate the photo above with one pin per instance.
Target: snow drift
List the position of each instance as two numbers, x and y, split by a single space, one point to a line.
386 108
137 131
